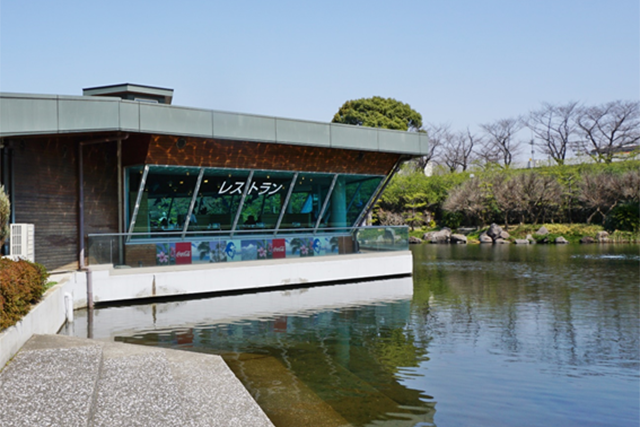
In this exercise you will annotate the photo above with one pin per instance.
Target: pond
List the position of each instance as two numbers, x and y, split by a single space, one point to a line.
504 335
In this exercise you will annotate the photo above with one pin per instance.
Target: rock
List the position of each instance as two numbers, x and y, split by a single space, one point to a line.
501 242
531 240
484 238
427 236
441 236
587 239
414 240
542 231
494 231
561 241
602 237
503 235
521 242
458 238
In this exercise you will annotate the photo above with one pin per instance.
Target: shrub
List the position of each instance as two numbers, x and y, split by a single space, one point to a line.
22 283
624 217
5 211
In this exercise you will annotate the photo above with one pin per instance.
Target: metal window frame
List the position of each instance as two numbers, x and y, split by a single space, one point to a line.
247 184
187 220
134 217
326 203
286 203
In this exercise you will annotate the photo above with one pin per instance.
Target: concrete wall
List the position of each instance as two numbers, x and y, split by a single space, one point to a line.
47 317
127 284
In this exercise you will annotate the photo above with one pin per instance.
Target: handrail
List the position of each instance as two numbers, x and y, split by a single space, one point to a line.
346 230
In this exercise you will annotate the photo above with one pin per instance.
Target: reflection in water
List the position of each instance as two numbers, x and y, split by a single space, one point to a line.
497 336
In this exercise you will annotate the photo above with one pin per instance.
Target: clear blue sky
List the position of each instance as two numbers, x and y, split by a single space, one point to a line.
464 62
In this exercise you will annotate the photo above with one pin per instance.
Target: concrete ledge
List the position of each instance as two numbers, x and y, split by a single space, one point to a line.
111 285
47 317
63 381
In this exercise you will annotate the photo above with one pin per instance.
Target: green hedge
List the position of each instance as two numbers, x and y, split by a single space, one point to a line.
22 284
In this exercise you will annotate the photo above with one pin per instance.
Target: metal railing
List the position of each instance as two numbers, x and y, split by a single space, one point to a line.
144 249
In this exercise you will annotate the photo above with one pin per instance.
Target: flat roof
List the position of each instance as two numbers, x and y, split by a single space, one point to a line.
30 114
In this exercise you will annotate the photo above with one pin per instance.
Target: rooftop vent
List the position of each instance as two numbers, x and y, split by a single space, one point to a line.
132 92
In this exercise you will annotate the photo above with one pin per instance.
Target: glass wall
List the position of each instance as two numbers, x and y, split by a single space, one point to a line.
187 199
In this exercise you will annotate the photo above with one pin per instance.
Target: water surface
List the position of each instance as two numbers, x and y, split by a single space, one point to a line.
480 336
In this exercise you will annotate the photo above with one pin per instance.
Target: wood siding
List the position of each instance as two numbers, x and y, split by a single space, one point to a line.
46 195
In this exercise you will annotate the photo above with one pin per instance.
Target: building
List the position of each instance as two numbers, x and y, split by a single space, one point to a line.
120 176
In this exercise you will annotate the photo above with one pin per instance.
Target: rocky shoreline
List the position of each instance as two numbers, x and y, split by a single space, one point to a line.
497 236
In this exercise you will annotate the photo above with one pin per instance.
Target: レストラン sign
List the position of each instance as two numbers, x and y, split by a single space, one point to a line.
237 187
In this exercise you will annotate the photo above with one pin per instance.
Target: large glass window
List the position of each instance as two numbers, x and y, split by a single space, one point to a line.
167 199
307 200
264 201
359 190
218 199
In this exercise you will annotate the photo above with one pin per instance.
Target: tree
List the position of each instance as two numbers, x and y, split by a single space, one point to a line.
457 150
608 130
438 136
555 128
379 112
500 141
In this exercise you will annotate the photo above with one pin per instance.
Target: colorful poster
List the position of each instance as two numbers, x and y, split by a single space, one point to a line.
183 253
200 252
299 246
278 248
218 253
249 250
264 249
165 254
233 250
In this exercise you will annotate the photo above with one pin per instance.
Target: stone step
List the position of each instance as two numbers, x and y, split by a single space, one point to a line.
286 400
63 381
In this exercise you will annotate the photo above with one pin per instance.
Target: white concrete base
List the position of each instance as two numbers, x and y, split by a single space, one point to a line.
110 285
47 317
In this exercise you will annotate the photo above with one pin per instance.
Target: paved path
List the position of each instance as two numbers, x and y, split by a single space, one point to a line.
64 381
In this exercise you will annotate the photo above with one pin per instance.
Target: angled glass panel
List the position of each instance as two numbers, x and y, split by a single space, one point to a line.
306 201
218 199
264 200
166 199
359 190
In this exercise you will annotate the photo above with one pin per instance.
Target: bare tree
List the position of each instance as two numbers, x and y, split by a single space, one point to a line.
457 150
437 133
501 141
608 130
555 128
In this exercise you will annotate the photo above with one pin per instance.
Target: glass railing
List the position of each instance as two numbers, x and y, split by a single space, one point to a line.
131 250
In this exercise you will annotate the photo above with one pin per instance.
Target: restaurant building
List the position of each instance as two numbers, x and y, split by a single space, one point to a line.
120 176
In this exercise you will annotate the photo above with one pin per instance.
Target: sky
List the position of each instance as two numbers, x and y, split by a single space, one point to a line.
459 62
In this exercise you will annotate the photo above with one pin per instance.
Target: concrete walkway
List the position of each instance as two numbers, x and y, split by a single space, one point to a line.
63 381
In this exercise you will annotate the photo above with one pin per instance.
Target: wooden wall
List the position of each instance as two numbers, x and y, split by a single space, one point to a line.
46 194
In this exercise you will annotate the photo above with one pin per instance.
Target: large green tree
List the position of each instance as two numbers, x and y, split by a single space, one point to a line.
379 112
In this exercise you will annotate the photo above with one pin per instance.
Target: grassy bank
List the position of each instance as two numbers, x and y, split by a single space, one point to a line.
572 232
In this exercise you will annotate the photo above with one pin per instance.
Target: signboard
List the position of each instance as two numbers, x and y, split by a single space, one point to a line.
183 253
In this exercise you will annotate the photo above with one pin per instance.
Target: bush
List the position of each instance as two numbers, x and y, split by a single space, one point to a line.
5 211
624 217
22 283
